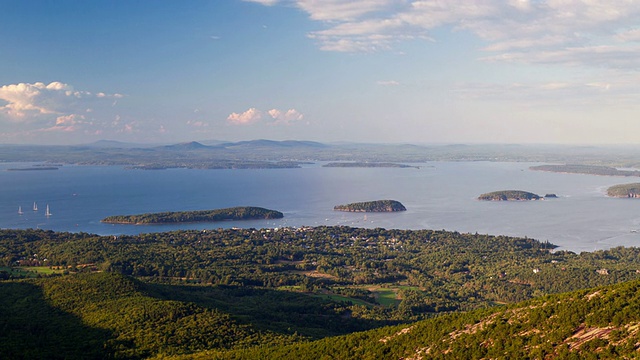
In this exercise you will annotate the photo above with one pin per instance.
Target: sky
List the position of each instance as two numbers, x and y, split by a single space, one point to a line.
369 71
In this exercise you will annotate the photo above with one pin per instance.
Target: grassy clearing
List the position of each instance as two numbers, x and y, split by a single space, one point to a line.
386 296
342 298
45 270
30 271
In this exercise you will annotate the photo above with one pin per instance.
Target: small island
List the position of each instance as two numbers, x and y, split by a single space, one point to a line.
34 168
624 191
368 165
234 213
372 206
509 195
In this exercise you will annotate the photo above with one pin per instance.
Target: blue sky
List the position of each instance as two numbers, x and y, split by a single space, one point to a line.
381 71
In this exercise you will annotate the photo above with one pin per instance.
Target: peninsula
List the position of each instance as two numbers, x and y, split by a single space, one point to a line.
509 195
372 206
624 191
234 213
586 169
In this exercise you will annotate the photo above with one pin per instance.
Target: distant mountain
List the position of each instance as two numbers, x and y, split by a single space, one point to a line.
193 145
212 142
103 144
262 143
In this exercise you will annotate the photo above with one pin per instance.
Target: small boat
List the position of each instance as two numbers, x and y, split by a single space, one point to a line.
47 212
35 207
20 210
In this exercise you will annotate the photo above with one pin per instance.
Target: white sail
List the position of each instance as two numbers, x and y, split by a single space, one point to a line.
35 206
20 210
47 213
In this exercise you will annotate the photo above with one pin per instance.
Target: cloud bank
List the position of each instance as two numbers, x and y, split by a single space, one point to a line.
271 117
56 107
574 32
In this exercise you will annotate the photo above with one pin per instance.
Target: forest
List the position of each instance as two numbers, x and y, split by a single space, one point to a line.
269 287
372 206
366 165
509 195
624 190
234 213
586 169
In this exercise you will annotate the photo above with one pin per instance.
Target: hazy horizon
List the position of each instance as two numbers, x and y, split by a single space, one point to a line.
367 71
209 142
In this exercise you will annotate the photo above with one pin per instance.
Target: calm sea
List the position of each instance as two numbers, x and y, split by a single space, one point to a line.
438 195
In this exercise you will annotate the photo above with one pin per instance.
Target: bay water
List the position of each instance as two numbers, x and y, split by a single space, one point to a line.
437 195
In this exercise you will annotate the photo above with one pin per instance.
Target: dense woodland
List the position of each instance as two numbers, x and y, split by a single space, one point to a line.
231 289
366 165
509 195
586 169
234 213
372 206
624 190
599 323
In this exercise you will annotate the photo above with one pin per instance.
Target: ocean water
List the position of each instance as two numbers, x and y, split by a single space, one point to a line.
438 195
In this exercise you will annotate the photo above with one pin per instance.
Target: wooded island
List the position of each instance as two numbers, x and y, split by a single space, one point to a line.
234 213
586 169
509 195
624 191
365 164
372 206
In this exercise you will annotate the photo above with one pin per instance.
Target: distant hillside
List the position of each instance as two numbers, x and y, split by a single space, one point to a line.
586 169
193 145
599 323
274 144
112 144
215 154
106 316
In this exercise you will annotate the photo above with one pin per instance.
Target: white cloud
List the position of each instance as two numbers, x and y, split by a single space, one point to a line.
332 10
37 108
264 2
612 89
25 102
250 116
388 83
197 123
285 118
573 32
631 35
275 117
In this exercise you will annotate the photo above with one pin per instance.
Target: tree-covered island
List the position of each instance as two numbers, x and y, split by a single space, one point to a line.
586 169
366 164
234 213
624 191
372 206
509 195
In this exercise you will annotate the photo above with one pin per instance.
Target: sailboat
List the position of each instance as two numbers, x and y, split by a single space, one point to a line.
20 210
35 206
47 212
